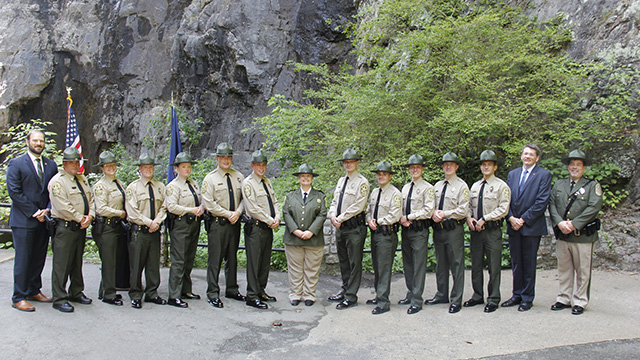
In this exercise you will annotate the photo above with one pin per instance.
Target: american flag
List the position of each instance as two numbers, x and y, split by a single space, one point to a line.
73 137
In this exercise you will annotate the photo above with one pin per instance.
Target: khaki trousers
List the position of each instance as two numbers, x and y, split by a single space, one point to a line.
303 264
574 272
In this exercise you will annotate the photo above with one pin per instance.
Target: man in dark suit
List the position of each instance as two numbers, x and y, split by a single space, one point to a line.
27 179
530 189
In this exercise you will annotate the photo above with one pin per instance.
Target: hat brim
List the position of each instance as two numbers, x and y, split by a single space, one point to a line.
300 173
183 162
112 162
407 165
457 162
138 164
377 171
567 160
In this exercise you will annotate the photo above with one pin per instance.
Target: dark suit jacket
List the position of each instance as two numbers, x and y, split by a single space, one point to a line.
27 194
309 216
531 203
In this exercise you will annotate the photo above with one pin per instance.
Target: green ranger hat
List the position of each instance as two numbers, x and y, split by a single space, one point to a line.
415 159
146 159
305 169
71 154
182 157
224 149
258 156
383 166
489 155
350 154
450 157
576 154
106 157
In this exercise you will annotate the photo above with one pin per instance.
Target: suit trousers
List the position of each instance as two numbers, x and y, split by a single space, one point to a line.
223 245
574 272
68 248
108 244
414 262
258 246
184 243
487 242
350 243
524 251
385 248
30 246
303 267
144 254
449 246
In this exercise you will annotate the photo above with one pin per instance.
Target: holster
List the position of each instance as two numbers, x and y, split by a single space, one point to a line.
354 222
125 226
208 220
98 225
50 225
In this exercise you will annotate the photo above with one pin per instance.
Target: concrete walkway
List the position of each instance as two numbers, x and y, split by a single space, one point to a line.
101 331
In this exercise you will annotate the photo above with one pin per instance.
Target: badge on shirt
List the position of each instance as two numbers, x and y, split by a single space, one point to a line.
247 190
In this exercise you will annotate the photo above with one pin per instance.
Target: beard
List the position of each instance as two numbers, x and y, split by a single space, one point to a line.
36 150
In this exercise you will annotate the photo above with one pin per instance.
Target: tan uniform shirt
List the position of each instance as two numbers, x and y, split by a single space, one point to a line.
66 199
138 204
180 200
423 200
255 200
108 198
389 207
355 197
215 192
456 199
496 198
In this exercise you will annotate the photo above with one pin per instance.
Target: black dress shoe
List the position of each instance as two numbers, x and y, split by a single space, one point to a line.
436 301
525 306
413 310
177 303
118 296
266 298
136 303
309 302
216 302
454 308
336 298
257 304
295 302
156 300
559 306
405 301
372 301
472 302
236 296
64 307
511 302
378 310
577 310
490 307
345 304
114 301
190 296
82 299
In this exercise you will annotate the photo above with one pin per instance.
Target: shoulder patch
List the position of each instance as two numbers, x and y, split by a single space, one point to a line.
506 192
466 194
397 201
56 188
319 201
169 190
598 189
247 190
432 194
363 188
98 190
129 193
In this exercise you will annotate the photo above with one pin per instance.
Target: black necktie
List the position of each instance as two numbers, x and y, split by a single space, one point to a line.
304 198
344 186
375 210
573 183
40 172
152 202
232 199
480 198
124 199
408 207
193 192
444 191
84 197
272 210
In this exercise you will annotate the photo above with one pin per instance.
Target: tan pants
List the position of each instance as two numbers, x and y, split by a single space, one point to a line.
574 272
304 270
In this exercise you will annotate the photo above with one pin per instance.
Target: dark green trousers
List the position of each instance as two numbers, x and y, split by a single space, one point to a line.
258 246
350 243
449 246
385 249
414 263
144 254
108 244
223 245
184 243
486 243
68 247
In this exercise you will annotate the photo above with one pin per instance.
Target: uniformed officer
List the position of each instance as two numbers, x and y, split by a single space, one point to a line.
222 198
452 199
72 207
383 214
347 214
146 211
304 212
261 205
185 209
489 205
418 204
574 206
107 229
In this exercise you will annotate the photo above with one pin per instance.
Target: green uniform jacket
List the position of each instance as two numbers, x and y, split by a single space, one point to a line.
309 216
584 209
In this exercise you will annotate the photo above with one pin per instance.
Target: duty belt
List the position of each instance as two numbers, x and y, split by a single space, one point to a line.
140 228
447 224
72 225
354 222
386 229
112 221
258 223
189 218
419 225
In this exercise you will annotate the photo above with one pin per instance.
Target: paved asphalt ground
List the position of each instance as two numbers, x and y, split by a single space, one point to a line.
609 328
